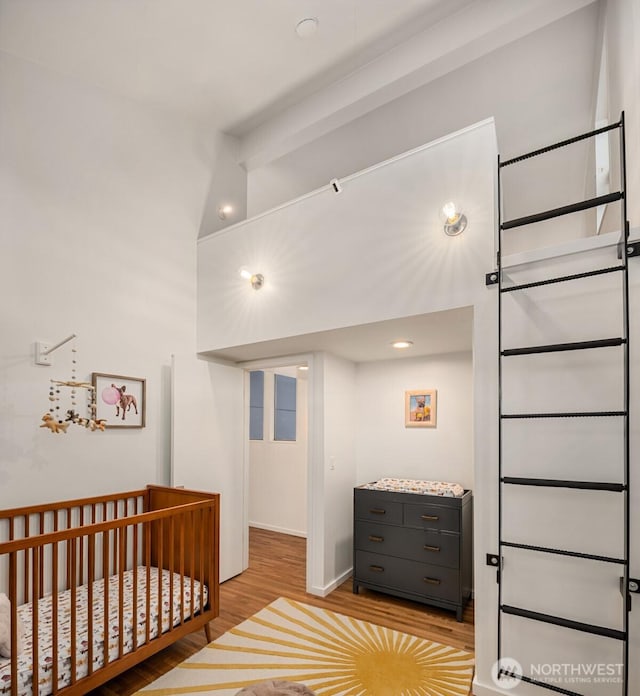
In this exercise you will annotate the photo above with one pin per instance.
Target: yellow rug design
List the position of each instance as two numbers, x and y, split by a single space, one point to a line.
333 654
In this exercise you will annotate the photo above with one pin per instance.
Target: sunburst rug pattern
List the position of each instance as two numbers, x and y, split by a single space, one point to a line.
332 654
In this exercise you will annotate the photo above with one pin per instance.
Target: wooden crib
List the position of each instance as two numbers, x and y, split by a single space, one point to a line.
114 578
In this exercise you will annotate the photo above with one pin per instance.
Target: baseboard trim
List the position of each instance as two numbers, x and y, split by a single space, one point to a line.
280 530
486 690
328 589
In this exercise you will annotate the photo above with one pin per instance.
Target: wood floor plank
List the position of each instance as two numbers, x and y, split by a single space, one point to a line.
277 568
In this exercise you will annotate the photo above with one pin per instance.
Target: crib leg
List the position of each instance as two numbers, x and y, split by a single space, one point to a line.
207 632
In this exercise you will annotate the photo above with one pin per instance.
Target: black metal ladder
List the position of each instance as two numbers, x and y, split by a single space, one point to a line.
620 563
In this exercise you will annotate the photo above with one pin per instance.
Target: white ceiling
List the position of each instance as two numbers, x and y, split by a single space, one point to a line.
432 334
238 66
228 62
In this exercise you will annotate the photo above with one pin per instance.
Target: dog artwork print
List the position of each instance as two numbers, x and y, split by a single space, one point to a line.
120 400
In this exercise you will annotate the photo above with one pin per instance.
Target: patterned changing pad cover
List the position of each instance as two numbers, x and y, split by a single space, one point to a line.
443 488
45 677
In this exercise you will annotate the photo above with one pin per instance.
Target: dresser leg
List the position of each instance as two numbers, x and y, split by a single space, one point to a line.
459 612
356 588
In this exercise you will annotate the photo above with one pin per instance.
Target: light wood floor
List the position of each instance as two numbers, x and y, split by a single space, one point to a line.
277 566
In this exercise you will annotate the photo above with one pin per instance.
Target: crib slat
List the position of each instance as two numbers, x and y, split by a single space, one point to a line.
160 527
201 526
171 571
91 572
13 598
182 550
105 617
192 571
148 588
41 593
27 565
54 612
122 562
135 587
72 600
35 625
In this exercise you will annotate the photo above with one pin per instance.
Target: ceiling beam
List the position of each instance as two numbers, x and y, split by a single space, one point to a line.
477 29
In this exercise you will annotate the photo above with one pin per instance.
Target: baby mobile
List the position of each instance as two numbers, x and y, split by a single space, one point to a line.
64 396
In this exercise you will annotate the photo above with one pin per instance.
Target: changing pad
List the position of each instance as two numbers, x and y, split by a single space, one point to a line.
442 488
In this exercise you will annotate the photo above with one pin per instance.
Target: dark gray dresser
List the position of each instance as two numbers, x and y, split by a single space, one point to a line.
414 546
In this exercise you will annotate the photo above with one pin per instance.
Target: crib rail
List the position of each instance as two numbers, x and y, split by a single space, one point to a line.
86 555
28 522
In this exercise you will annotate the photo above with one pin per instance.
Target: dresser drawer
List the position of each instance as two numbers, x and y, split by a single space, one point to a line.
413 544
370 507
422 579
432 517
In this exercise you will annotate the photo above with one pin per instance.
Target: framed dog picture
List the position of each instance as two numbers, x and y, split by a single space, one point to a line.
120 400
420 408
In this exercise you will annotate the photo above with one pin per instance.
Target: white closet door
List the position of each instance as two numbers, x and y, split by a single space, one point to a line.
208 446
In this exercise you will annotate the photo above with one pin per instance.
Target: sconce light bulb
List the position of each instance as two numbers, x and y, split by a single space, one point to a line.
244 273
449 209
455 222
225 210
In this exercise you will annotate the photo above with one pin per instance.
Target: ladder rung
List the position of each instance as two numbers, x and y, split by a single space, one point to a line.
559 483
562 279
562 552
564 210
562 143
536 682
565 623
560 347
582 414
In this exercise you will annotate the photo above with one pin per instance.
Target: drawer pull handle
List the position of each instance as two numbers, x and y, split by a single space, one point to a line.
377 569
378 511
435 549
432 581
377 539
431 518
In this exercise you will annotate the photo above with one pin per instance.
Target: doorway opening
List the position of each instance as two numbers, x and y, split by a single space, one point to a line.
277 451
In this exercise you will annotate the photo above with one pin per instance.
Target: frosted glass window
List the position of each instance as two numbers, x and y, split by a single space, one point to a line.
256 405
284 422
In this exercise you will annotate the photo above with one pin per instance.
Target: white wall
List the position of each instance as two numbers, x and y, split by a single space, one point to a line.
622 22
228 185
339 466
375 251
496 85
385 447
278 470
101 202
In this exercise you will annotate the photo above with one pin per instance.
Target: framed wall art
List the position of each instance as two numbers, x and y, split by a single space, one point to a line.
121 401
420 408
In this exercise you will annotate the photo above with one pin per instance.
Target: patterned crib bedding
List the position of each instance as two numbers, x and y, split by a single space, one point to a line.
442 488
45 660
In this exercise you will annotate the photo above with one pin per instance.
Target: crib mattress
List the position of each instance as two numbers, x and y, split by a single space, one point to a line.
158 599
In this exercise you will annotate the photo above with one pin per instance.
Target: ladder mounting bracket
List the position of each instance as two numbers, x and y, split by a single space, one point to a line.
493 560
633 585
492 278
633 249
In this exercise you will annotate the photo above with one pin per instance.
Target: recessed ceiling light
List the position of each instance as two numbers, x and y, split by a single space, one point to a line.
307 27
303 367
402 344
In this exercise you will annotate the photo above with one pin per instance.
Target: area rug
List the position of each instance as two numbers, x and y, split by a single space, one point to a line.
333 654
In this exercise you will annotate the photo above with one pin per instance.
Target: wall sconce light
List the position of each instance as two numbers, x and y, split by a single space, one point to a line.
224 211
256 279
455 222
